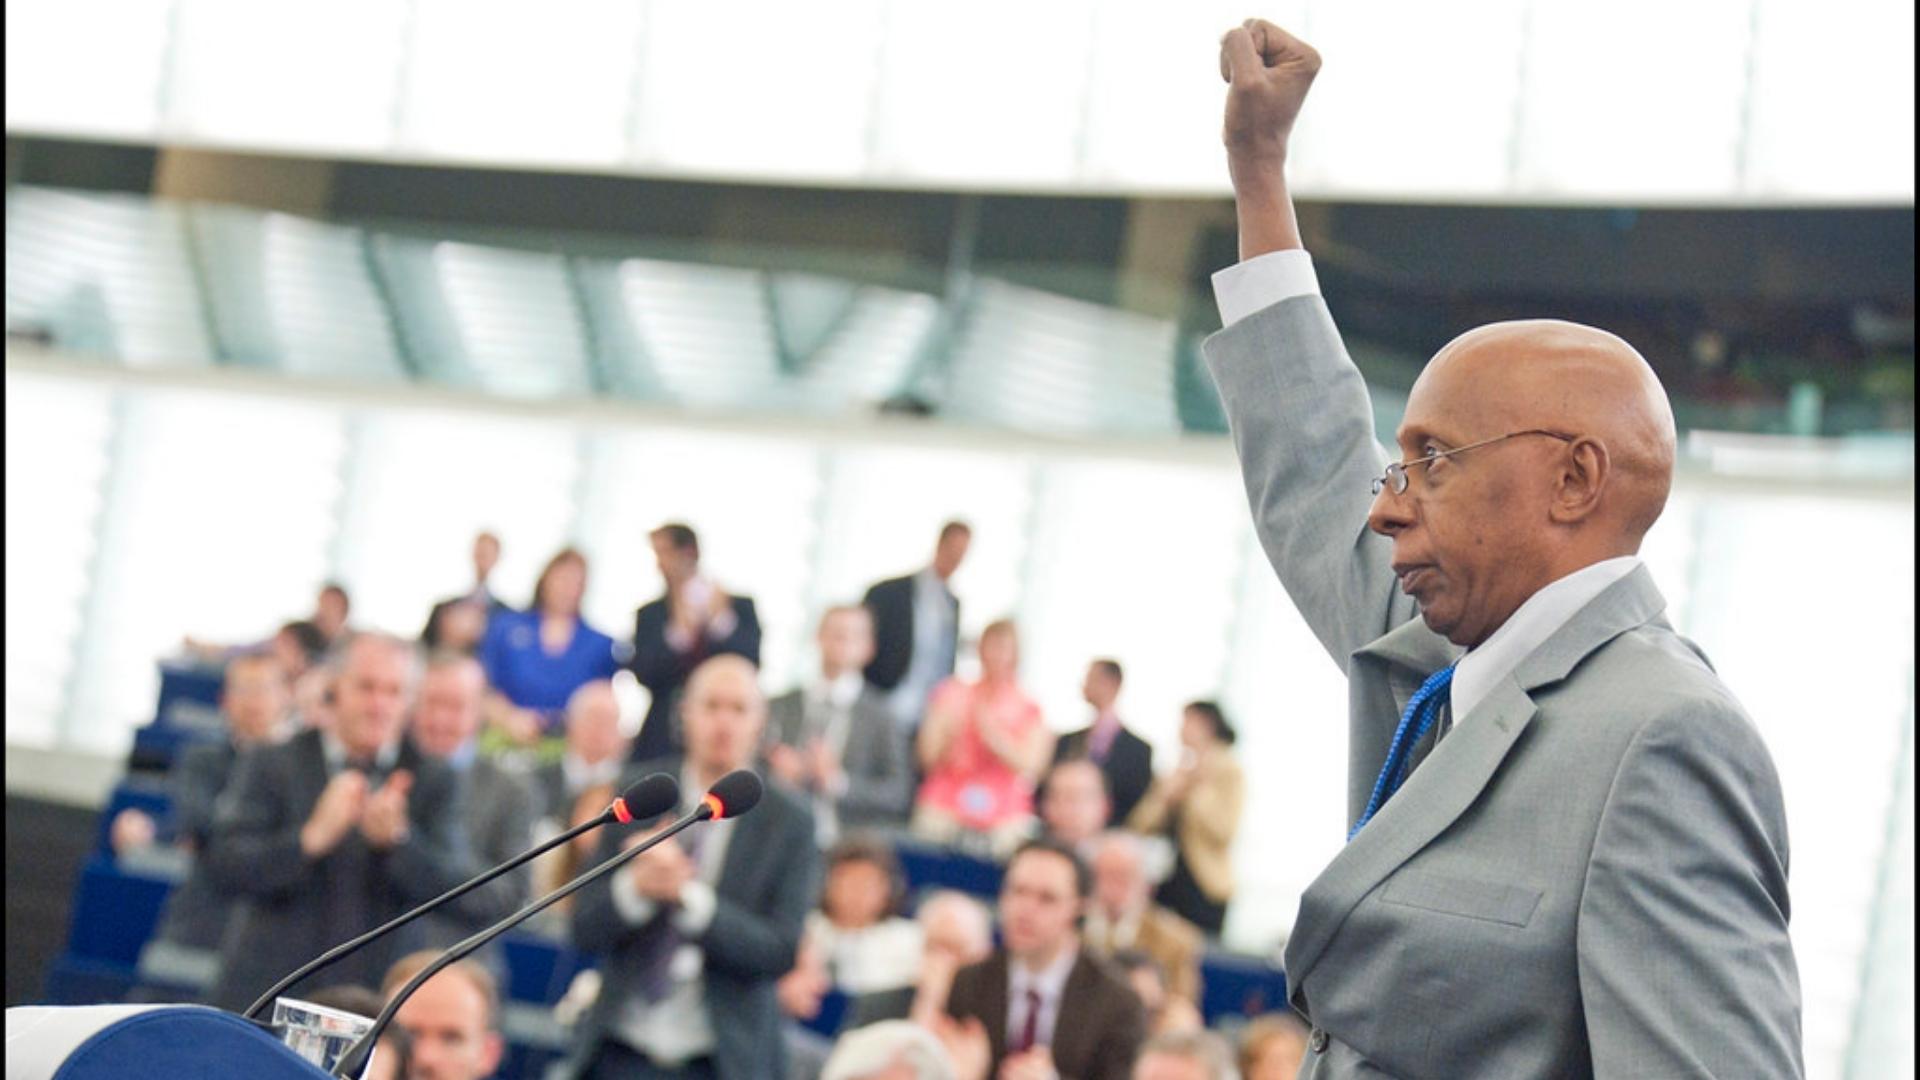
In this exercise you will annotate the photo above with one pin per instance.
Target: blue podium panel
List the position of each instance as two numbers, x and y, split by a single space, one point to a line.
116 1042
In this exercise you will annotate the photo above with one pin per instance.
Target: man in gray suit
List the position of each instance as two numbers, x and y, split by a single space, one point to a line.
1568 852
496 806
695 932
835 740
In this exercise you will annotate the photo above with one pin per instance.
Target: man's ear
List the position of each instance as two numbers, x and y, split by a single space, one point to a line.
1583 472
492 1049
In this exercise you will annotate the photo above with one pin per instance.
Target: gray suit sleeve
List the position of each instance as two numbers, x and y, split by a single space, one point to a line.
1303 427
879 771
1685 965
253 845
762 943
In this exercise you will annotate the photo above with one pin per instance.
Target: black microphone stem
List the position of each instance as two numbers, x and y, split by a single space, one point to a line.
356 1057
346 947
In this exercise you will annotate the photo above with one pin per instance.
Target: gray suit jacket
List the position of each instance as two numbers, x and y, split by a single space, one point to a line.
499 810
879 769
1588 875
770 877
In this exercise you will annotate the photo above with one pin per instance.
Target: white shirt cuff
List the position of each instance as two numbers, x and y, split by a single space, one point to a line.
697 904
637 910
1263 281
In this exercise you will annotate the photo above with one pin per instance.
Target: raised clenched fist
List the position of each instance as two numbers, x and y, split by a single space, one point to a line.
1268 72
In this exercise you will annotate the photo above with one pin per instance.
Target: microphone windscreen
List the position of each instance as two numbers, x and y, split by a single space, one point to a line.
652 796
736 793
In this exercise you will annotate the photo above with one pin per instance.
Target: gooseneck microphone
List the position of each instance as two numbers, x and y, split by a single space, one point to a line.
734 794
653 795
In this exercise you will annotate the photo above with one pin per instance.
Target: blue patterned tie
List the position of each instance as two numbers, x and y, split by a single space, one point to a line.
1421 712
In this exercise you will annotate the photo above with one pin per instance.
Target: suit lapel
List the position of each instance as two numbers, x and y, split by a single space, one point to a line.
1459 767
1438 792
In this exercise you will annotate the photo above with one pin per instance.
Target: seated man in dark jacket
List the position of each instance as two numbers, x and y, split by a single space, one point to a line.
695 933
1047 1006
333 832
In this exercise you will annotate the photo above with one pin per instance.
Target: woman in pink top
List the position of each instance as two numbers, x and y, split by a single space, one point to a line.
982 746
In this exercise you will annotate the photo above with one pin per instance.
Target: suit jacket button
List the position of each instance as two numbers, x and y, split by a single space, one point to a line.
1318 1041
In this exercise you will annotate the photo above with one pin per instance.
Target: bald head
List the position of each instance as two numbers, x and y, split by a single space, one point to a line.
1532 449
1581 380
723 713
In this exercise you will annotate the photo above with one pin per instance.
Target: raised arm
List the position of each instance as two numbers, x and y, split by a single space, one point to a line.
1298 409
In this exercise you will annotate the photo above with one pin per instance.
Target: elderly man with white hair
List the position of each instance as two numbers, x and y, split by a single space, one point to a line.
1123 915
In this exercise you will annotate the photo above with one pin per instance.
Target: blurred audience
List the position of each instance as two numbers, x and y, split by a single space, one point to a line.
595 753
459 623
857 940
332 832
1045 1006
695 932
1186 1055
452 1021
1074 808
497 808
955 930
1166 1012
1197 807
982 747
184 947
916 629
329 616
298 646
695 619
1123 916
890 1050
1273 1046
834 740
536 659
1124 757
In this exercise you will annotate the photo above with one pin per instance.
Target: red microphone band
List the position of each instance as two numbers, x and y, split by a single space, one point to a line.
620 812
714 804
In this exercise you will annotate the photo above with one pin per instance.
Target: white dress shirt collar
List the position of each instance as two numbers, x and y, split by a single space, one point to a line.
1050 982
1544 613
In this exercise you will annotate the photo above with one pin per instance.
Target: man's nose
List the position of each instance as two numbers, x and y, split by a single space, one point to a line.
1389 513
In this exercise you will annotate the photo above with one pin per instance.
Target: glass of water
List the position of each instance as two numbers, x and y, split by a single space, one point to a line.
318 1034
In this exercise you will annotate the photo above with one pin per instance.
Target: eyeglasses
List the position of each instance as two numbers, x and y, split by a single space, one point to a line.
1395 479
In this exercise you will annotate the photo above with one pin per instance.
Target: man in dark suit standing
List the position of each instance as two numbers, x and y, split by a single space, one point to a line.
695 620
486 555
1125 758
916 628
1045 1006
834 740
496 807
694 933
333 832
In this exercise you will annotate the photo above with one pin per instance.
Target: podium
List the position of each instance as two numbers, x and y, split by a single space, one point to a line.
99 1042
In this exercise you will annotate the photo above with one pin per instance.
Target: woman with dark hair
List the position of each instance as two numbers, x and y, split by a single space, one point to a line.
535 659
857 940
1197 807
